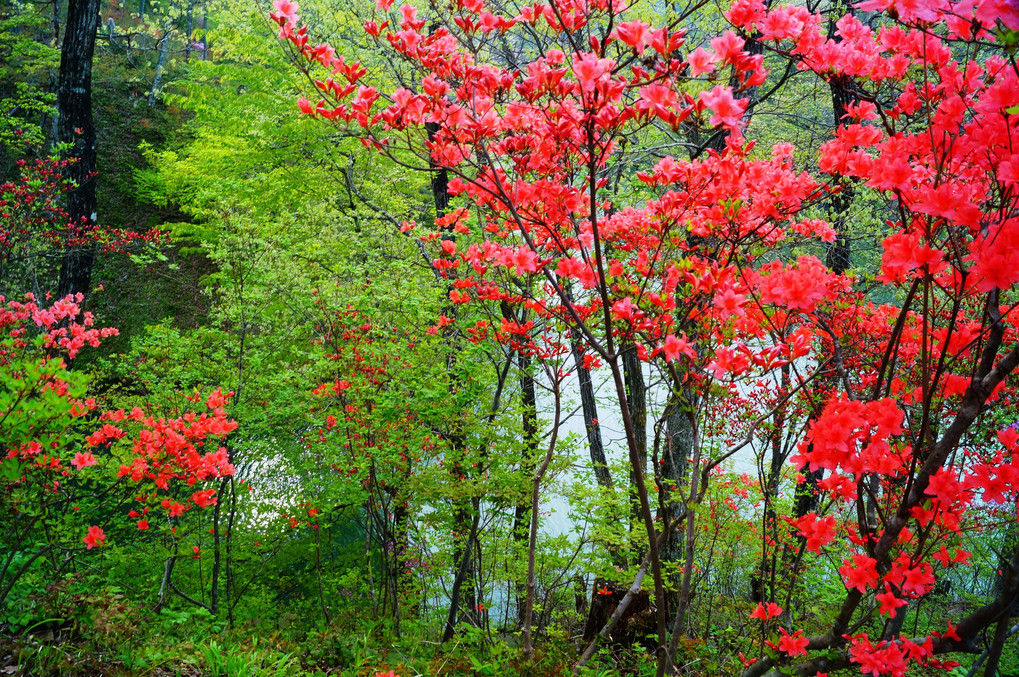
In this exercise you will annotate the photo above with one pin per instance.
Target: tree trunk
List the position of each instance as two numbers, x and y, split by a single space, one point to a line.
842 96
522 513
637 464
232 483
216 551
837 258
190 28
157 79
679 436
75 127
532 542
465 513
636 400
590 409
403 583
463 573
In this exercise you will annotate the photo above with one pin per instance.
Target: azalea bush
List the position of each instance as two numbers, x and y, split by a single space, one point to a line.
34 224
709 271
74 475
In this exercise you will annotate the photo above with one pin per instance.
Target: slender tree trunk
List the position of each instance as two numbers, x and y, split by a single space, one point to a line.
402 585
157 79
636 400
468 509
685 591
522 512
217 554
532 542
637 464
591 425
190 28
75 127
462 574
318 575
167 572
231 519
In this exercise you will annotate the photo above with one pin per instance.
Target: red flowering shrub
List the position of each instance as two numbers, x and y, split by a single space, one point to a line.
53 469
903 440
33 221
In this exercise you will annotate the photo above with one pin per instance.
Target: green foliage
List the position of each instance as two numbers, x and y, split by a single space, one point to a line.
333 550
28 62
222 661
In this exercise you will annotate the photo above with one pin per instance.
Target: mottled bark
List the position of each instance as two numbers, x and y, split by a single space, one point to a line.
157 79
675 463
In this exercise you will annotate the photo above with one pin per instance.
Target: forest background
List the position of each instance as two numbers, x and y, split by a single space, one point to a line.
572 337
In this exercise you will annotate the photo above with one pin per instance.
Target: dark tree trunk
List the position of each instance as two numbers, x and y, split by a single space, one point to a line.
590 409
465 513
837 258
75 126
842 96
636 397
636 400
230 603
217 557
522 512
679 440
464 573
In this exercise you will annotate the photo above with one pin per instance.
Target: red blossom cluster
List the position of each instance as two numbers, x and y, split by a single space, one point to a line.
58 322
167 451
31 212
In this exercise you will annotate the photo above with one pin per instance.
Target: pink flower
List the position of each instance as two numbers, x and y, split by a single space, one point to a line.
633 33
83 460
701 61
728 111
794 644
674 347
94 537
287 9
764 613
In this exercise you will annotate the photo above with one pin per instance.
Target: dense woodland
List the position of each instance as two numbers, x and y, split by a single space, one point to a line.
491 338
